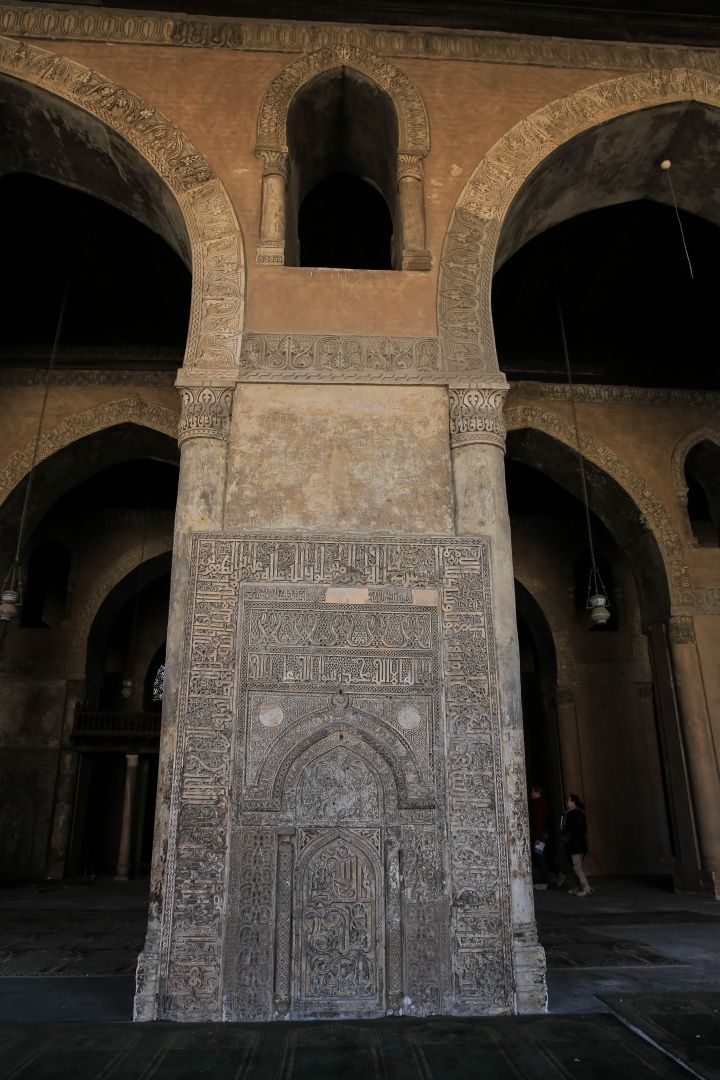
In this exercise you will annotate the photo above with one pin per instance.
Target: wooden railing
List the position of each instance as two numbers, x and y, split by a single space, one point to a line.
116 725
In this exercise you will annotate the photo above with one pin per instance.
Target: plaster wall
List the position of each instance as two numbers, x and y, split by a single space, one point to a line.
344 457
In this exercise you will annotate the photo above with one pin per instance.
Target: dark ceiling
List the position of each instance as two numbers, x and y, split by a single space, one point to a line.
694 22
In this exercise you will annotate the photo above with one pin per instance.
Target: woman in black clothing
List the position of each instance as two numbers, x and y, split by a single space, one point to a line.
574 835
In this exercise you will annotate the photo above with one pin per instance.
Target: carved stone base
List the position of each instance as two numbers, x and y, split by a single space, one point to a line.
530 986
416 260
338 844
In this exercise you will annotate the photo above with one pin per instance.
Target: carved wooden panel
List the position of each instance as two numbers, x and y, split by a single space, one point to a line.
337 844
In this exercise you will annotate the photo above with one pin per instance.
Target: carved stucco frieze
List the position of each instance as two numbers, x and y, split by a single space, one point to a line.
339 763
218 261
476 415
70 23
468 257
206 412
340 358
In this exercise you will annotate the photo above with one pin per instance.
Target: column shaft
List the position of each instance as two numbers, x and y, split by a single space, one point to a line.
200 506
122 872
477 441
699 745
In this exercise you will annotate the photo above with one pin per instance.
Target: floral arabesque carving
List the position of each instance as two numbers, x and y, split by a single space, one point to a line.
413 128
48 21
218 261
468 258
127 411
649 505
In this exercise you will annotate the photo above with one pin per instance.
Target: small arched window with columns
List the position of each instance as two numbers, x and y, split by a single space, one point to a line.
342 136
702 477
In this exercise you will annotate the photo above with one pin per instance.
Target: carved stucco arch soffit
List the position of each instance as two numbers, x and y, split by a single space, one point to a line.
468 257
652 511
413 145
218 260
130 560
126 411
681 451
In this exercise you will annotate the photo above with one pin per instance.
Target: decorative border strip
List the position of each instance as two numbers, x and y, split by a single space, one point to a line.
87 377
59 22
602 394
340 358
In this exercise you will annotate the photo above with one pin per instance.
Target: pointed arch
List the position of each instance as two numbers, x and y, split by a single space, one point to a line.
413 127
126 411
152 548
650 508
216 245
681 451
471 242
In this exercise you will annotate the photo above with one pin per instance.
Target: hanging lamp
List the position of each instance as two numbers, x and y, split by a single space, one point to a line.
597 600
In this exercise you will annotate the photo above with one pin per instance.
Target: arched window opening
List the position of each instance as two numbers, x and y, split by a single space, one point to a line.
46 589
342 186
702 475
581 571
345 222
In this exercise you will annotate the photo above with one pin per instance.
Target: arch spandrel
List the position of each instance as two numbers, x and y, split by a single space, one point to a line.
217 251
471 242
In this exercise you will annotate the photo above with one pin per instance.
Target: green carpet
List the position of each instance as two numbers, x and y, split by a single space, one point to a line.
685 1025
527 1048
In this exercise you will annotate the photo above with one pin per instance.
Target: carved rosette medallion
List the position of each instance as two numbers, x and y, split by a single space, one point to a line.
206 412
337 844
476 415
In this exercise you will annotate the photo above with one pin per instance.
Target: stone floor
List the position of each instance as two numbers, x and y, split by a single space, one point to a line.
633 976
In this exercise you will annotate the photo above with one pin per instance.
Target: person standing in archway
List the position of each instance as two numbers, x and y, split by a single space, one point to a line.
574 836
540 826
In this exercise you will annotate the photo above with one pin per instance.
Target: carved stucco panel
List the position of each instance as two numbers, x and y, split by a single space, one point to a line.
367 872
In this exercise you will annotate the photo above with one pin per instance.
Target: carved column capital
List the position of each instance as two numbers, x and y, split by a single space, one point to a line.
206 411
681 630
409 166
476 415
275 162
